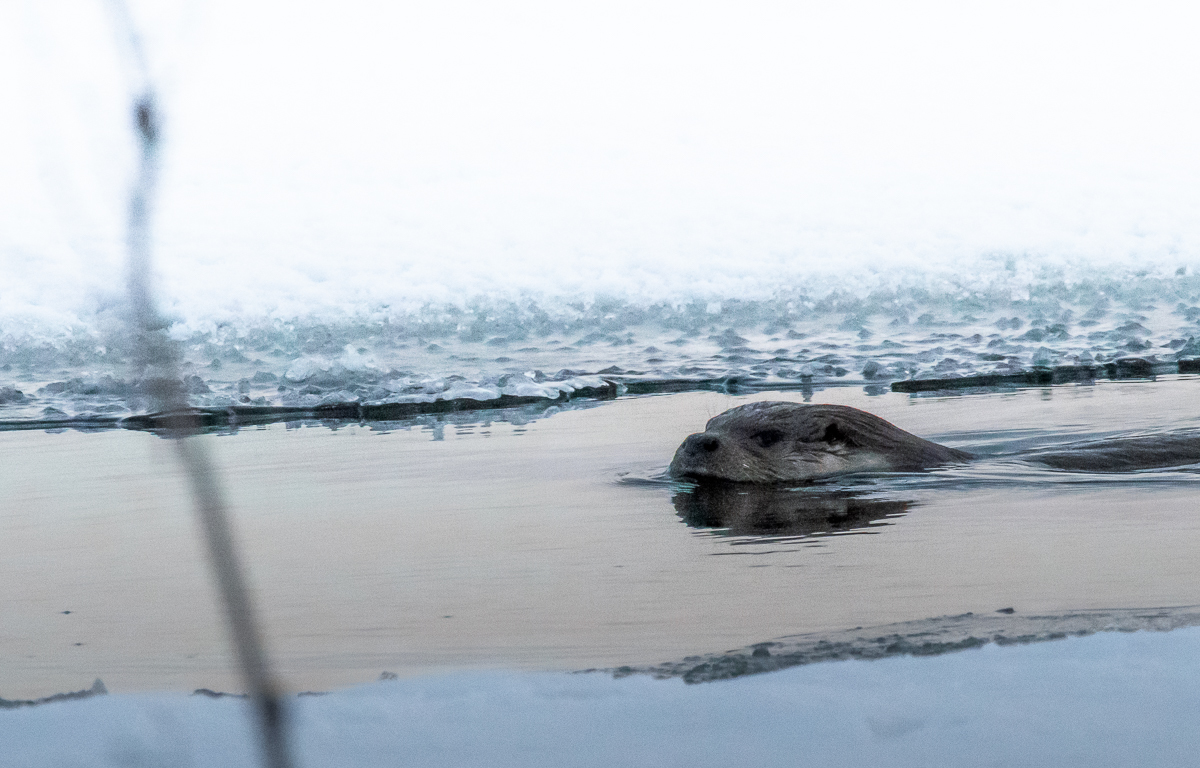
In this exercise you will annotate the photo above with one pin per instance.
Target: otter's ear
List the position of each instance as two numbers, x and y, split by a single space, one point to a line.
834 434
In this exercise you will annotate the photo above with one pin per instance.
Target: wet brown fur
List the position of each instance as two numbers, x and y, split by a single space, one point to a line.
778 442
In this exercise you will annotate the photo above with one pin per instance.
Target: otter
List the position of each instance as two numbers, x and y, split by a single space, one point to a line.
780 442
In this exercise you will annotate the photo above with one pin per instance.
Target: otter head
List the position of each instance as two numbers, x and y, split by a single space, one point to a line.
774 442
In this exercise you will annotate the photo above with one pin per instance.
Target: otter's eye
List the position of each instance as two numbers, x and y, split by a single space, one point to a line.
767 437
835 435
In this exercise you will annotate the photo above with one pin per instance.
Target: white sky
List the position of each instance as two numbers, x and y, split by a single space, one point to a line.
384 152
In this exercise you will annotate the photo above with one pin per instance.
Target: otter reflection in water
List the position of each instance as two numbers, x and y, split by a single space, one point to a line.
778 442
745 509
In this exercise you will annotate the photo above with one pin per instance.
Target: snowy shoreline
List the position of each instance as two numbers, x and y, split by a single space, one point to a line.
1115 698
934 636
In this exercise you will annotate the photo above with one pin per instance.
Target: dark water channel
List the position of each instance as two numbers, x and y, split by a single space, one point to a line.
550 545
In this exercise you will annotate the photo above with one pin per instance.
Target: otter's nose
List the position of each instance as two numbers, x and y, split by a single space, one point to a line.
703 443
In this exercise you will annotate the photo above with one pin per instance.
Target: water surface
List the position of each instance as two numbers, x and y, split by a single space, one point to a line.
549 545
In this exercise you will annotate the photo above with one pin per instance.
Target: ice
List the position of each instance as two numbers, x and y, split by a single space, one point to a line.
529 389
484 234
1108 699
306 367
469 392
836 338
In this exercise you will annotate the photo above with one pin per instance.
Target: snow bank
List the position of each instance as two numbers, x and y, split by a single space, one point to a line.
1110 699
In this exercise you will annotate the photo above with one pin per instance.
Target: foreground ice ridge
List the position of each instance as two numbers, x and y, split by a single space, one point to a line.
98 689
1109 699
924 637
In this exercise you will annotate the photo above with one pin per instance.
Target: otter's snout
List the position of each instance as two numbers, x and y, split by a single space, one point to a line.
702 443
694 454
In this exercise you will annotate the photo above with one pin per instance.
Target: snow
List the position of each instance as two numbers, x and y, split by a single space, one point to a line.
481 182
1107 699
653 152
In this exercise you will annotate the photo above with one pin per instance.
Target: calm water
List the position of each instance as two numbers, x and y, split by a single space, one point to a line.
548 545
